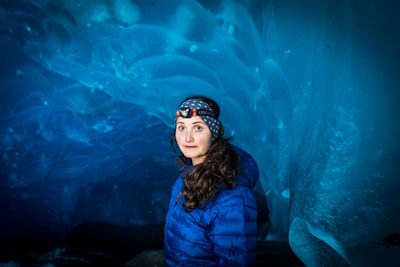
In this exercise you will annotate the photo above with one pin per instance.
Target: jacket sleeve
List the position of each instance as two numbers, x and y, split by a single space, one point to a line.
233 232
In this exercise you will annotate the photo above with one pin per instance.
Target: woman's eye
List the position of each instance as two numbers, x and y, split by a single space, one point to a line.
180 128
198 128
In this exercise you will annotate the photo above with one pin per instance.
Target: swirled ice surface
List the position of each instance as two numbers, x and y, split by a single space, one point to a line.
89 91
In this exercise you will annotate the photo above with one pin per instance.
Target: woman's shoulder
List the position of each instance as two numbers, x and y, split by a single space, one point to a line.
247 173
231 198
177 186
238 193
178 182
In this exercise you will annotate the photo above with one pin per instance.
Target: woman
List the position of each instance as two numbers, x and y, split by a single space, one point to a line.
212 213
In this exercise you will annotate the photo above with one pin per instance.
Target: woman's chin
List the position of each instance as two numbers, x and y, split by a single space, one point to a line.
189 155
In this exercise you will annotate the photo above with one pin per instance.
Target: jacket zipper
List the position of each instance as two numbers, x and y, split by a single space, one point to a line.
177 199
171 212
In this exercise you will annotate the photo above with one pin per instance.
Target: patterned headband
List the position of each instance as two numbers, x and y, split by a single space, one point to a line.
196 107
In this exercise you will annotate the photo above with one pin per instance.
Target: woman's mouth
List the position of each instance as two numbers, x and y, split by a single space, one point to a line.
189 147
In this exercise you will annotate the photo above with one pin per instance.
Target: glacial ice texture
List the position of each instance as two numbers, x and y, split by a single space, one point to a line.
309 89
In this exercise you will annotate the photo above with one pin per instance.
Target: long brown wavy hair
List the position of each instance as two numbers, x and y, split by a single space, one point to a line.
220 166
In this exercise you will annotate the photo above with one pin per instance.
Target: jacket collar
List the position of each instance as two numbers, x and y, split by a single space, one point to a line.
185 166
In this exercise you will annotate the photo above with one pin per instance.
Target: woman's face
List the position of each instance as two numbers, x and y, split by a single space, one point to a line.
193 137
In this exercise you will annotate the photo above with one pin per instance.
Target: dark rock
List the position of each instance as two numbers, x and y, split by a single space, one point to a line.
150 258
119 241
276 254
101 244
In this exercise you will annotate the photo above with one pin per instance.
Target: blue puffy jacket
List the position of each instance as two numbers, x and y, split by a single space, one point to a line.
223 232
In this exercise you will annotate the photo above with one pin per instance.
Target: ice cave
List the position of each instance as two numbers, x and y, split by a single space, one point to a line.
89 90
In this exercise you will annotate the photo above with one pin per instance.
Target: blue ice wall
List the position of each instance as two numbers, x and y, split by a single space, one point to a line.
310 88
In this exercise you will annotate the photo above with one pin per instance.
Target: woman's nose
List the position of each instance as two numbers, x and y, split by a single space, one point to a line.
189 137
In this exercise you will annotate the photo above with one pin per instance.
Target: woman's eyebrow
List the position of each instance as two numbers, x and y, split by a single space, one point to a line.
198 122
